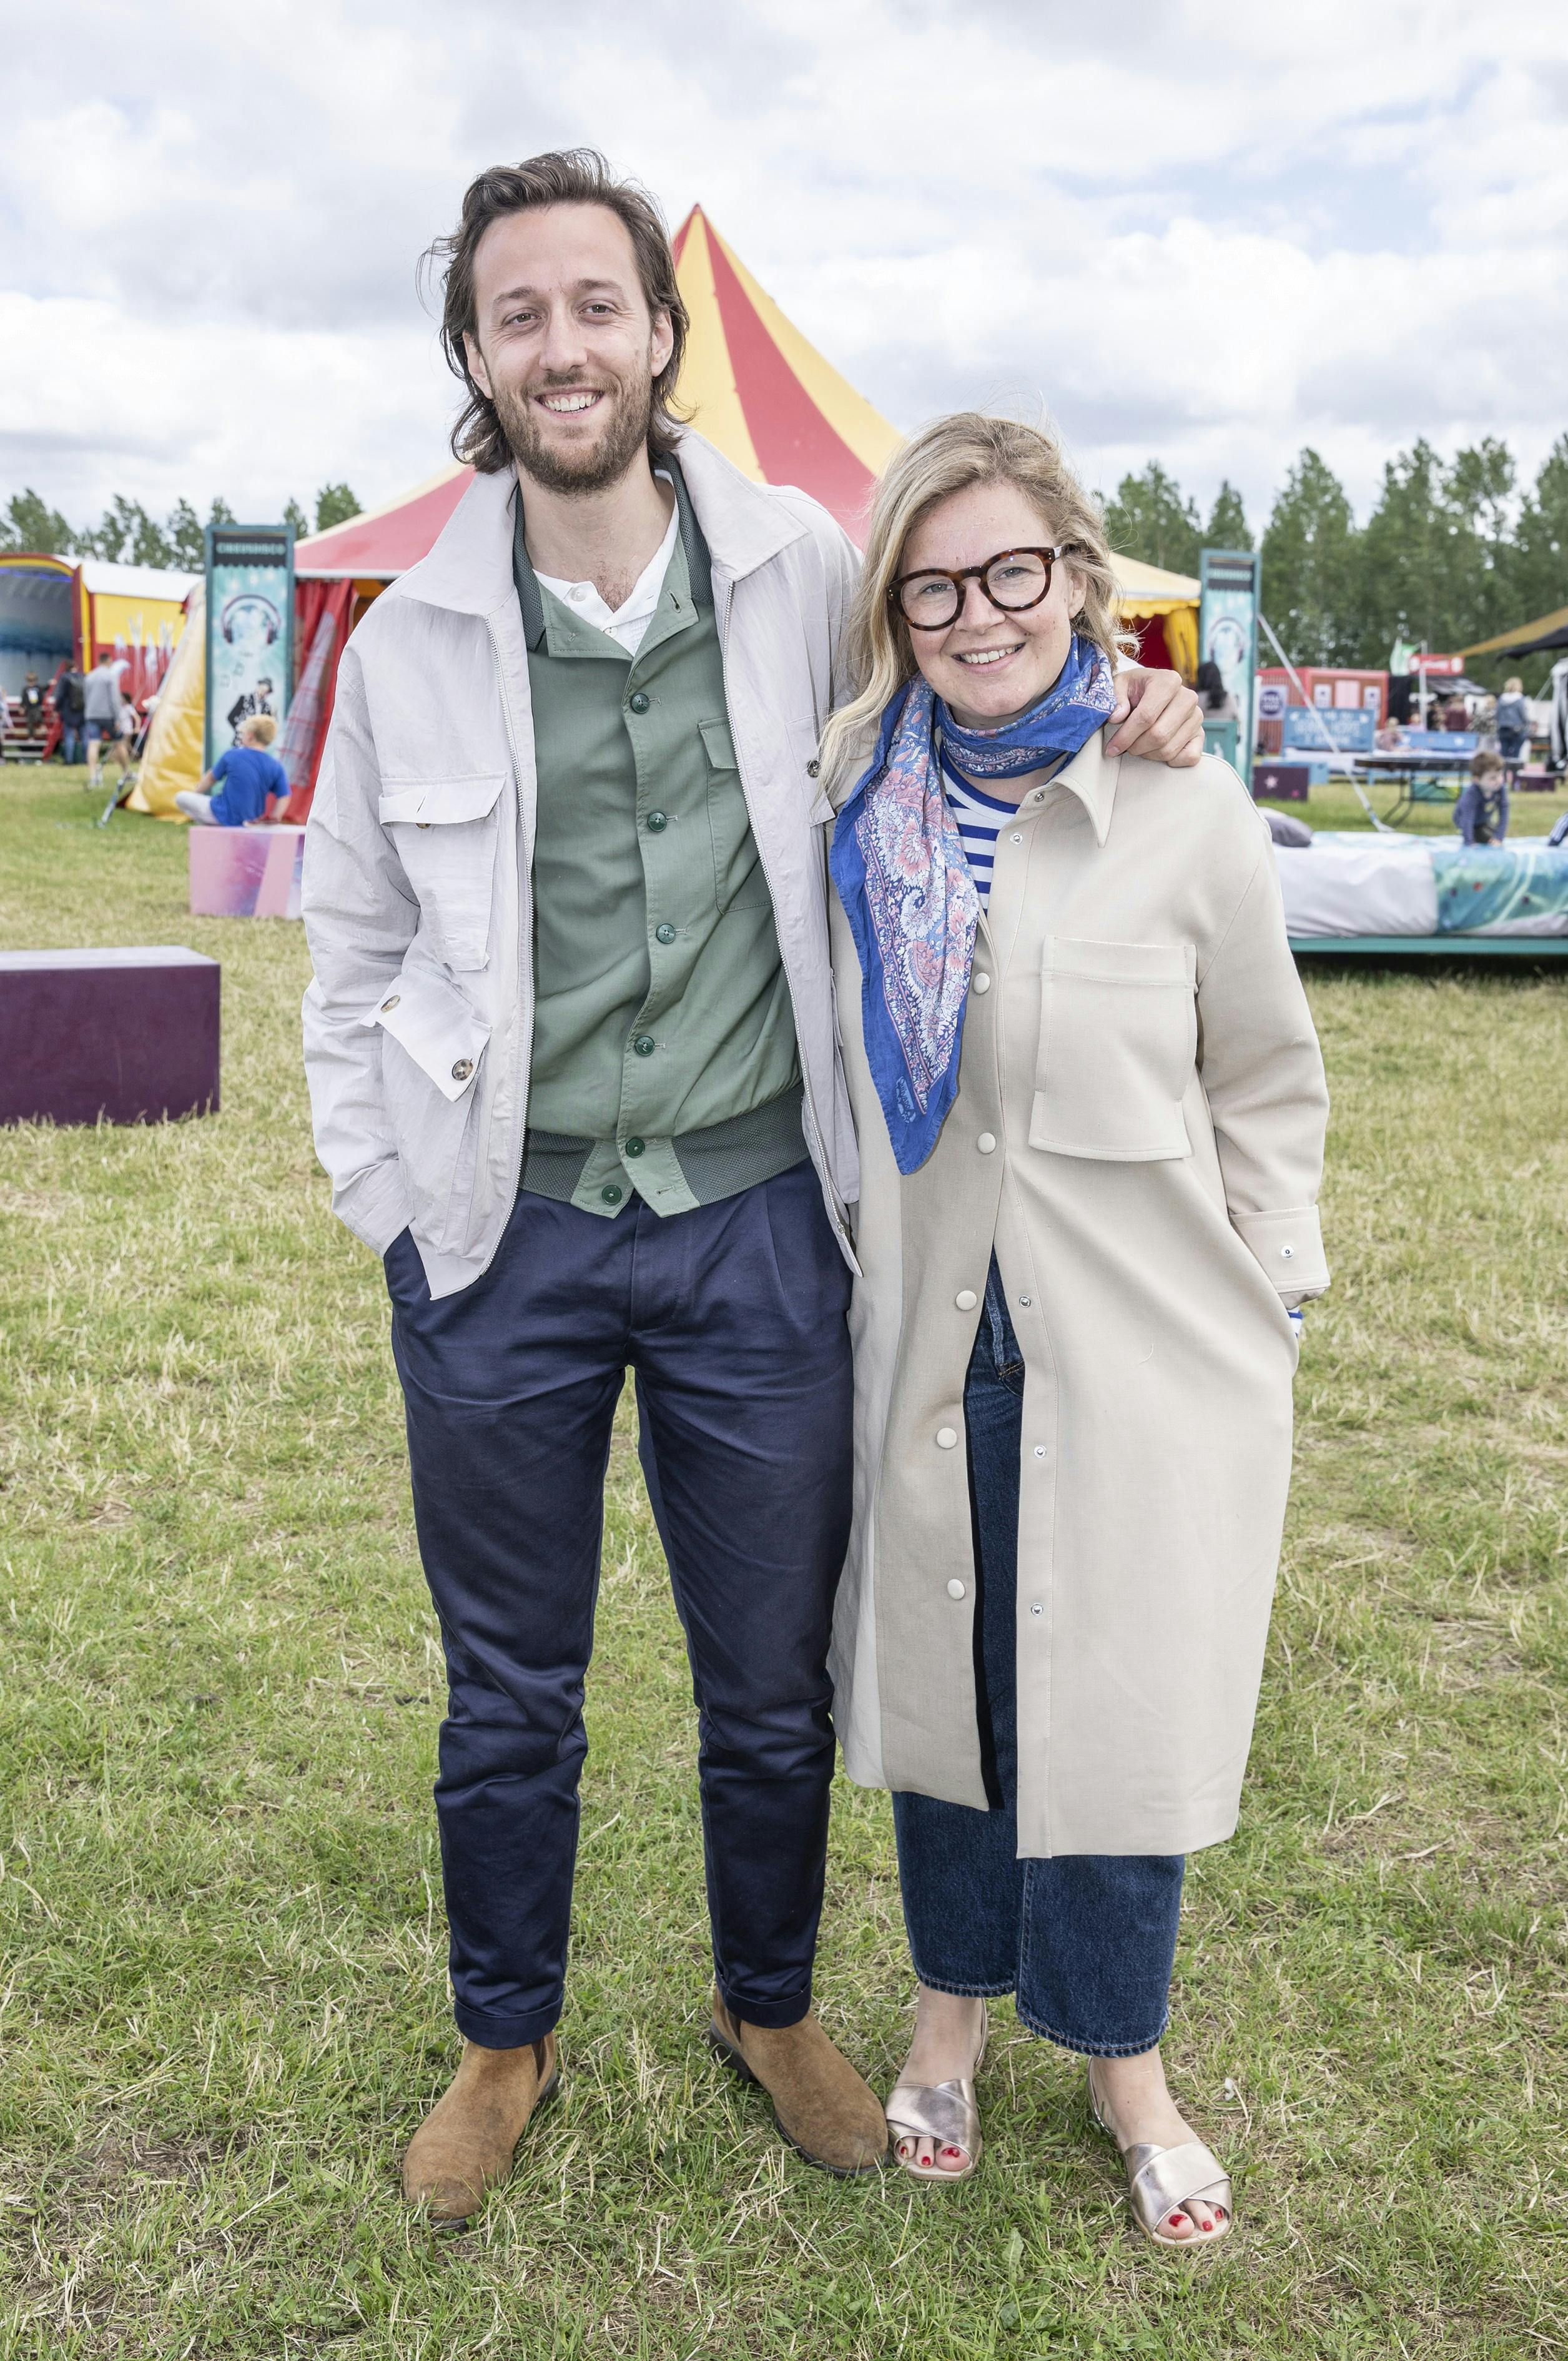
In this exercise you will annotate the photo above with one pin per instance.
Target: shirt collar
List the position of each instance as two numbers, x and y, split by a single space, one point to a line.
699 574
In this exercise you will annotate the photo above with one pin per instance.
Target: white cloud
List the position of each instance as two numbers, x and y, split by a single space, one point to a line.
1196 230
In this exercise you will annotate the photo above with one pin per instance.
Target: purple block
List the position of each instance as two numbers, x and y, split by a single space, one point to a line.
129 1035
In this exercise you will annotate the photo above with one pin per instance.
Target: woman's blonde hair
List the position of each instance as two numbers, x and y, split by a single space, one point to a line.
1513 686
945 457
261 730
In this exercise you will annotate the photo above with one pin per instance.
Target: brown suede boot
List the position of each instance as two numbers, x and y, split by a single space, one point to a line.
820 2104
464 2148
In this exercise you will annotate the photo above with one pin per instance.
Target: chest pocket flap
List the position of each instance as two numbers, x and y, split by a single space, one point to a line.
445 831
1118 1046
428 803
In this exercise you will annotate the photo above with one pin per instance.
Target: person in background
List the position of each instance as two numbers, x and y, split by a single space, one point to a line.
248 780
1481 815
1455 714
1215 699
33 723
100 707
69 710
1513 727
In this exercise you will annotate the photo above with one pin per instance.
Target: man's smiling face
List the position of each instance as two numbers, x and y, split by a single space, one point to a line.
566 345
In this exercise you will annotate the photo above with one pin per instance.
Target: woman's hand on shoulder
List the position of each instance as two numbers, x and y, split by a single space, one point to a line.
1157 717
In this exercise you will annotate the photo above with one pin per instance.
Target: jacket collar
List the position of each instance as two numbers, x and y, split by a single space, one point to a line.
1092 778
469 568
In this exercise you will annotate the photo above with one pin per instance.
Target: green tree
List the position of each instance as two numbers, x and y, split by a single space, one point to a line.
1309 566
185 542
221 513
1538 577
335 505
30 523
1227 527
128 535
295 515
1150 519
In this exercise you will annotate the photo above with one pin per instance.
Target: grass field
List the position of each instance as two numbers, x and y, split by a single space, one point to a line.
223 2003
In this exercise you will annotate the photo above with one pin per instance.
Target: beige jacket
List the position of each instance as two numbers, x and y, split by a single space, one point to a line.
1139 1128
417 883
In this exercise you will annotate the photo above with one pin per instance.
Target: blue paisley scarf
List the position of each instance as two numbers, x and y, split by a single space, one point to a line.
898 864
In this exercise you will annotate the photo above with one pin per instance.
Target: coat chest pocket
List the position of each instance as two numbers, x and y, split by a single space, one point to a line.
1118 1044
739 882
444 834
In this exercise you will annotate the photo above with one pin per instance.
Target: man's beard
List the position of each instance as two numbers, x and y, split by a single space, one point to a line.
594 465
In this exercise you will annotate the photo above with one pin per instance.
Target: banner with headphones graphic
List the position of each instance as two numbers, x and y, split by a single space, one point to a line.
250 628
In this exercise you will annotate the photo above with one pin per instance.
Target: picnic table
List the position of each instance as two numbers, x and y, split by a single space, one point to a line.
1421 775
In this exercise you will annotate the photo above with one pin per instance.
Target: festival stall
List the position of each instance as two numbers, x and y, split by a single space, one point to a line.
56 612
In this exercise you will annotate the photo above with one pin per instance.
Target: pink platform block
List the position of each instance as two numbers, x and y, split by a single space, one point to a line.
245 872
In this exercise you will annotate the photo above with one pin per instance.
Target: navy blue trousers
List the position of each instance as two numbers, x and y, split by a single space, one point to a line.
1085 1942
732 1318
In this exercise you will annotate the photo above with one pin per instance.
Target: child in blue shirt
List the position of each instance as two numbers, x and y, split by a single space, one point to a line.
247 778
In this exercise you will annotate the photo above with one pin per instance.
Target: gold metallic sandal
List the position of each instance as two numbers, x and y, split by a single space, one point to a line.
1161 2180
943 2112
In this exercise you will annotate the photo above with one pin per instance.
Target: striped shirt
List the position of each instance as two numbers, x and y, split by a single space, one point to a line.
981 819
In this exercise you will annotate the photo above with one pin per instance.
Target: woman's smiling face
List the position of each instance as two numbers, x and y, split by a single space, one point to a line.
988 666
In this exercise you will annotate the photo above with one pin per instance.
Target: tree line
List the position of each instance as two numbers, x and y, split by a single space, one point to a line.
127 534
1452 551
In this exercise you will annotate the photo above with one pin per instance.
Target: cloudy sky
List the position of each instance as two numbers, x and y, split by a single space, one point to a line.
1206 232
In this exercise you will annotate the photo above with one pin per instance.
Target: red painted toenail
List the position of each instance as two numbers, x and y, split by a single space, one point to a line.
1175 2221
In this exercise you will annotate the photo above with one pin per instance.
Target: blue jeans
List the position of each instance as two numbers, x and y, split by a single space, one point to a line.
733 1317
1084 1941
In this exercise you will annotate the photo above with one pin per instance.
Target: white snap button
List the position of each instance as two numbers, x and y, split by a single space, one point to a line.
983 982
986 1142
1285 1253
1037 1609
1039 1450
965 1299
955 1588
1015 840
1025 1301
945 1438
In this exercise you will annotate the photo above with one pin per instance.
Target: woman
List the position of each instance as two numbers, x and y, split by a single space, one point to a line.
1090 1108
1513 726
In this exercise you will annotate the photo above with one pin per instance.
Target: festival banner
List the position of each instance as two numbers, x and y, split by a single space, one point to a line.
250 628
1227 634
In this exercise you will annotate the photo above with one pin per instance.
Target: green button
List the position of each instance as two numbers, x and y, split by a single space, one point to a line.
664 934
635 1146
638 701
644 1045
611 1195
656 821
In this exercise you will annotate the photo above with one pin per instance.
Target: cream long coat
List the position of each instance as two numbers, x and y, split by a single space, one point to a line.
1140 1129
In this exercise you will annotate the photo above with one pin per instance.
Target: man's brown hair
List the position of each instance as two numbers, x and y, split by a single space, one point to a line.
567 176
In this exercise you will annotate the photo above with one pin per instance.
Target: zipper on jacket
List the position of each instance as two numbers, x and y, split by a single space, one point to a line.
723 594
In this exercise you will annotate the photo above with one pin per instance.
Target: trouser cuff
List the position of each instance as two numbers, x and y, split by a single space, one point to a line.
492 2032
771 2015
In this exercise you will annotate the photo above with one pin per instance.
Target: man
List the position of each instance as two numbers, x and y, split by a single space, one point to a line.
244 784
69 709
249 702
574 1071
102 707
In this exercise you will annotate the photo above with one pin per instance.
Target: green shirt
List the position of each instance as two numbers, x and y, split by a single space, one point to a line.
664 1056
